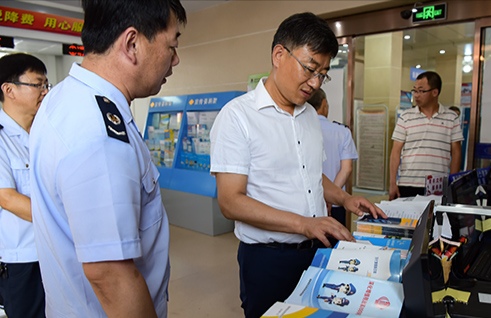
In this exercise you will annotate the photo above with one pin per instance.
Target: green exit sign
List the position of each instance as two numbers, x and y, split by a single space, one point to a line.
430 13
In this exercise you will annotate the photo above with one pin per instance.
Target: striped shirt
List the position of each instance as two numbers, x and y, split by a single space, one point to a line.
427 144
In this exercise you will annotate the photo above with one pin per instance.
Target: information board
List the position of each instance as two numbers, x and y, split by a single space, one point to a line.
371 137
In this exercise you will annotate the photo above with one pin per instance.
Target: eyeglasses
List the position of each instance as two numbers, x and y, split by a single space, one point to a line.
420 91
309 72
40 86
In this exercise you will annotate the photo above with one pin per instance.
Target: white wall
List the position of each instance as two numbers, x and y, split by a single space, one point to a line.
221 46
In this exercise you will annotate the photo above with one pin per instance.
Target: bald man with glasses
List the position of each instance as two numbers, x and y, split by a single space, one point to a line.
23 86
426 140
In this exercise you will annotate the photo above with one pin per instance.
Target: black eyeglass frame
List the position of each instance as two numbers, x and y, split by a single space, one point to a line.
40 86
311 73
421 91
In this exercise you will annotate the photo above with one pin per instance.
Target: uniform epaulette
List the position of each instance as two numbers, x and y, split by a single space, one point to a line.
341 124
115 126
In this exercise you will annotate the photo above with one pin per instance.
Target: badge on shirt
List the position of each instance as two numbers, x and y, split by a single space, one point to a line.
115 126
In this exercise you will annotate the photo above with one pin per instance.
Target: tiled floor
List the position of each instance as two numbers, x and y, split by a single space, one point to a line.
204 275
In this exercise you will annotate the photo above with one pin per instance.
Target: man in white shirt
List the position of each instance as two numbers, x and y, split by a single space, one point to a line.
266 154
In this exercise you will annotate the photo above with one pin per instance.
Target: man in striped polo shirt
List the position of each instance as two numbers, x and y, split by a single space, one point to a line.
427 140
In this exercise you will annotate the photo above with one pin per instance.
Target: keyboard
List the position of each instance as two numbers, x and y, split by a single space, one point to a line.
481 267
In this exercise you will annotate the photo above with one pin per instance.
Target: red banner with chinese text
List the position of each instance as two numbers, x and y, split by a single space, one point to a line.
31 20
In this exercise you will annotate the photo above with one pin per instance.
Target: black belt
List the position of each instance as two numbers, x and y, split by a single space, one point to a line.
308 244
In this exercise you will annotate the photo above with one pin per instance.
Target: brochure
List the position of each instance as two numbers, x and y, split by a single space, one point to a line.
395 226
409 208
283 310
384 241
344 292
370 262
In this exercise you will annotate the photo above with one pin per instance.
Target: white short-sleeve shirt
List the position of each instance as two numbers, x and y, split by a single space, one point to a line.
281 154
338 144
95 194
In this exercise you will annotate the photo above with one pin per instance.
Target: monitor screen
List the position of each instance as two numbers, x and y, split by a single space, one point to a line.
416 273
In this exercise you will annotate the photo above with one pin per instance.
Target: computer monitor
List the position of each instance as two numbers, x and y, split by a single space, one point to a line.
417 278
464 189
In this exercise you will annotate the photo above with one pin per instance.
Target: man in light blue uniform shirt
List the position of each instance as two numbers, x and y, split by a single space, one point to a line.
339 147
23 85
101 229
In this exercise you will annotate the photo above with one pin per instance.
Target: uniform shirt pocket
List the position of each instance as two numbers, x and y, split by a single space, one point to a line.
151 204
20 170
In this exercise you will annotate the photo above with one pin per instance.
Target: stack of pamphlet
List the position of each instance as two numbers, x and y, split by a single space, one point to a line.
351 280
402 218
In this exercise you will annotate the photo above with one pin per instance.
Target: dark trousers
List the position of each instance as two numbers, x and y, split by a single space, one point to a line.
269 274
22 291
339 213
411 191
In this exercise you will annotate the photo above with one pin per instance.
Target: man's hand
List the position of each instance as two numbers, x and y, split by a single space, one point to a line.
394 192
323 227
359 206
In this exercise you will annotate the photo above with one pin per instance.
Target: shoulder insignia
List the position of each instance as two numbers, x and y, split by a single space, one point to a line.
341 124
115 126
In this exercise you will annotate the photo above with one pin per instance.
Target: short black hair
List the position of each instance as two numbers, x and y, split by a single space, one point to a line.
105 20
434 80
307 29
13 66
317 98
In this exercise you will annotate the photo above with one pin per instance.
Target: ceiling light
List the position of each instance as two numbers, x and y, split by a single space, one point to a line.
407 37
467 58
442 51
467 68
418 66
338 24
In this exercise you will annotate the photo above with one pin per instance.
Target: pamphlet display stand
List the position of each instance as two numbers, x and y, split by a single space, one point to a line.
177 134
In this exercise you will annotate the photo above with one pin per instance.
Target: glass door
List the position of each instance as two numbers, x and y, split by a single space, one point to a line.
387 64
480 132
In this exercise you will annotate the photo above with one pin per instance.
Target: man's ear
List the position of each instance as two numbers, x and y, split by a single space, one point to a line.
278 53
129 44
7 90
